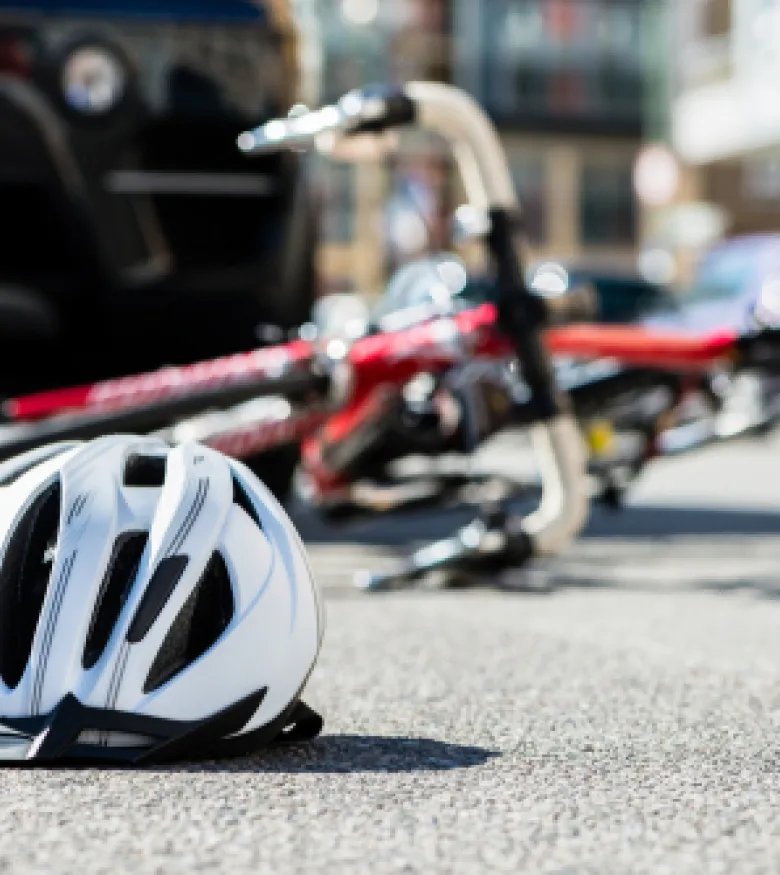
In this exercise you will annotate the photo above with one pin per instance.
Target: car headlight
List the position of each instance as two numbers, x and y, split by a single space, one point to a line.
93 80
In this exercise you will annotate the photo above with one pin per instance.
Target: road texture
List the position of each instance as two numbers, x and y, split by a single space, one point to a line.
617 712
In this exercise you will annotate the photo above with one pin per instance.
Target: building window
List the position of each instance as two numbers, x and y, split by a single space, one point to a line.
717 17
338 202
567 21
562 60
761 181
620 89
607 205
530 183
567 92
619 30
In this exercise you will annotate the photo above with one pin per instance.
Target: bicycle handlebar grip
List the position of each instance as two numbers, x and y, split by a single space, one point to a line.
377 108
369 110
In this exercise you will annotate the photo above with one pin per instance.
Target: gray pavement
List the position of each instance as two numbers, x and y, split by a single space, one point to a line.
619 713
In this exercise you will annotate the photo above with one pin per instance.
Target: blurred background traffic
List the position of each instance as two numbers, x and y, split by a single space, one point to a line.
642 134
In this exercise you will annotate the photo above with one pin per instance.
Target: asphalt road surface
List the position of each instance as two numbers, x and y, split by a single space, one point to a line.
617 710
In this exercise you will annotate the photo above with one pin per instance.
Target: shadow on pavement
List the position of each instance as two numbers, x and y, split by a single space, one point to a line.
410 528
676 521
654 548
337 754
397 529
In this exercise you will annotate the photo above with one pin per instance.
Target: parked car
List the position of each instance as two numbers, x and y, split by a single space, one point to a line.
134 232
727 287
735 287
622 296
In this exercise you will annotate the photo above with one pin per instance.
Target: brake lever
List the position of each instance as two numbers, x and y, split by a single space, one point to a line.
484 542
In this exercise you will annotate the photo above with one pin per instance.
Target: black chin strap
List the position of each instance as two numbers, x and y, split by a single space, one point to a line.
303 724
55 736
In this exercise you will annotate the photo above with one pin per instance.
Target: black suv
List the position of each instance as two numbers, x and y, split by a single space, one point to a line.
134 233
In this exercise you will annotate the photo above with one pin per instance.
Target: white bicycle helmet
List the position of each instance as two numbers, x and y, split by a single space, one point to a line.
154 602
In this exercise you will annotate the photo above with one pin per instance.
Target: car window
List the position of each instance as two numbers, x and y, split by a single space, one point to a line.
724 274
624 302
623 299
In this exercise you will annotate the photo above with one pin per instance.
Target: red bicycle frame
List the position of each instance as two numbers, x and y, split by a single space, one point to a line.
367 372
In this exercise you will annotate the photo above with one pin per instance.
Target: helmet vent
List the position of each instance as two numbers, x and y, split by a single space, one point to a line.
203 618
117 583
241 498
24 579
145 471
11 471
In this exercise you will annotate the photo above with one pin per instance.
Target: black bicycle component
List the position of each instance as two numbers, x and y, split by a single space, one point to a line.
523 315
486 542
379 108
369 110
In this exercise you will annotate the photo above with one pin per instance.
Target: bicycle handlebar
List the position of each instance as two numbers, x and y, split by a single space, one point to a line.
367 110
443 109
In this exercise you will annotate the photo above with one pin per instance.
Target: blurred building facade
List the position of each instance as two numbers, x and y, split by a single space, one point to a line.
347 44
725 120
563 79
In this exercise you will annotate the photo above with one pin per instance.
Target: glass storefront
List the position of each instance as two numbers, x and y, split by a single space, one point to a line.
552 73
607 205
575 62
